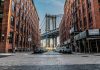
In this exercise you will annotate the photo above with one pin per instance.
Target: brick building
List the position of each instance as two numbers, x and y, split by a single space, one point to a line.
19 23
65 25
84 24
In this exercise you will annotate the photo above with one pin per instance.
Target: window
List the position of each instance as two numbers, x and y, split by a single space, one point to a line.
0 35
16 39
24 9
17 24
89 3
1 16
11 37
80 23
22 16
99 9
83 8
99 1
18 1
78 1
12 20
1 11
90 18
13 6
85 22
18 12
22 5
1 2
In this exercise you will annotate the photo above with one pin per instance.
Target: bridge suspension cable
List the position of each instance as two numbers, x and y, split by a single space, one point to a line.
42 23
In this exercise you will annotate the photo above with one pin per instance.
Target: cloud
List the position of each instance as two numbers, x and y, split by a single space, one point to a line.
58 3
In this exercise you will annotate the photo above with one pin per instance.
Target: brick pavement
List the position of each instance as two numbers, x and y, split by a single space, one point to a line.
27 61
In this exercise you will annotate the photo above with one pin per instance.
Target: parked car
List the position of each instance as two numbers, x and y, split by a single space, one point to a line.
63 49
40 50
57 49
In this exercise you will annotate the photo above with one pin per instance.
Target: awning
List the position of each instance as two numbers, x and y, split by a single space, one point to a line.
87 34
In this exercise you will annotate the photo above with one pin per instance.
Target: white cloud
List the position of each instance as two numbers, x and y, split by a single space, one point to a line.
58 3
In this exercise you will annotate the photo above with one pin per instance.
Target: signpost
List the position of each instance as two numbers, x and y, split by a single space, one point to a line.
30 40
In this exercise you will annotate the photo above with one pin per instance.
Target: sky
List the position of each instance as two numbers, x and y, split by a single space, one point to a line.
52 7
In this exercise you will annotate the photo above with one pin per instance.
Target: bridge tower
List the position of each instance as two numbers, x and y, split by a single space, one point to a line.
50 26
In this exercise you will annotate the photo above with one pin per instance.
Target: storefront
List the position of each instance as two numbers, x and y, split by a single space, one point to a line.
88 41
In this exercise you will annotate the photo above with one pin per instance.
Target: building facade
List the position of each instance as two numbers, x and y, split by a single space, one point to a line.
65 25
84 32
19 23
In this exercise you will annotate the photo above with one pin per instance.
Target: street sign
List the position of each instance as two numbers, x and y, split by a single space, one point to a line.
29 39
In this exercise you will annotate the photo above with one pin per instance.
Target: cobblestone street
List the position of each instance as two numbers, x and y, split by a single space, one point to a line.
50 61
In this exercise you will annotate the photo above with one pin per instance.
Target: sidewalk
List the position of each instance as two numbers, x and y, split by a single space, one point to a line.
94 54
6 54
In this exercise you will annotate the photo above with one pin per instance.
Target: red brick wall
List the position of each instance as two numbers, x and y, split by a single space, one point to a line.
96 13
28 25
5 29
82 18
66 22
